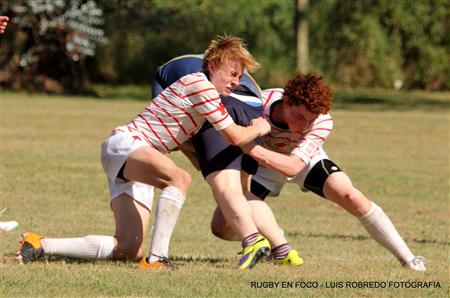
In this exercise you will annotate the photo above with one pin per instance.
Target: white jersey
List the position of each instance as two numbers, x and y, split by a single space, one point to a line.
178 112
304 145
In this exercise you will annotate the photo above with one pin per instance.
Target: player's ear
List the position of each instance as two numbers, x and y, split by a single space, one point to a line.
211 67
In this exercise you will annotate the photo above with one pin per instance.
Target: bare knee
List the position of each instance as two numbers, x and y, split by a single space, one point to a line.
355 202
220 227
182 180
223 232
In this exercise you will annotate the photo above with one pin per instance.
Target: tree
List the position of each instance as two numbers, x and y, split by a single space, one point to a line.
48 44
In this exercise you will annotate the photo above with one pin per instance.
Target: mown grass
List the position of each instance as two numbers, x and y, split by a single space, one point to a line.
52 183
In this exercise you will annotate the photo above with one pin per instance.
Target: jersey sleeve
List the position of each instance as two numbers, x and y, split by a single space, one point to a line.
206 101
313 140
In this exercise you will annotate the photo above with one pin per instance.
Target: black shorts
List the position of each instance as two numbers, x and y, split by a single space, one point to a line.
214 153
314 181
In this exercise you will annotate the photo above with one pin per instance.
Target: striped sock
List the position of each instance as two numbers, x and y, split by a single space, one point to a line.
250 239
281 251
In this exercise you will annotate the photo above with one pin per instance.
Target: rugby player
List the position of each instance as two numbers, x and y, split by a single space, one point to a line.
134 159
300 125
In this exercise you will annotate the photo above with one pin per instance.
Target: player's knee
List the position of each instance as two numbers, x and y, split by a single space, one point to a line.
356 201
182 180
215 230
222 231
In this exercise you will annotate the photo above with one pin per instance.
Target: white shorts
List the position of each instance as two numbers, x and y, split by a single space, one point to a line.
115 151
274 181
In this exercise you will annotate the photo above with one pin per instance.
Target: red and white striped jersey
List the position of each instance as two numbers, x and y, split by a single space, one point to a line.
178 112
304 145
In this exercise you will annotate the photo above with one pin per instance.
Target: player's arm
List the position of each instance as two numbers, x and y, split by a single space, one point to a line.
239 135
287 165
206 101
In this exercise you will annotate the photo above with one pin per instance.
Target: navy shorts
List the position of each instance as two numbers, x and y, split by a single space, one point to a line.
214 153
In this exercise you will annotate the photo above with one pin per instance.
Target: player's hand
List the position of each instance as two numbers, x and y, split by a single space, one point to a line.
262 125
3 23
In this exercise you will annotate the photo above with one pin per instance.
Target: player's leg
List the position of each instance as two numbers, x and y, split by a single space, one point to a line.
264 219
227 191
131 219
230 198
149 166
339 189
326 179
262 215
221 165
130 202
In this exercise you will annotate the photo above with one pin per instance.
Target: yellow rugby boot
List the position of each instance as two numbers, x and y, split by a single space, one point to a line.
254 252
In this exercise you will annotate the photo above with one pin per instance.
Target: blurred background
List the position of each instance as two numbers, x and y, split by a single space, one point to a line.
76 46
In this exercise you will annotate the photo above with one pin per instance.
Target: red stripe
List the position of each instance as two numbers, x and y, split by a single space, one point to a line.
320 128
200 91
137 130
154 132
168 114
149 141
268 99
180 108
218 121
194 93
165 126
173 91
206 101
314 124
211 112
117 129
317 136
188 84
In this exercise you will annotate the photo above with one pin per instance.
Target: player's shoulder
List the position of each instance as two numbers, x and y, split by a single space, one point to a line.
196 83
272 93
193 78
324 121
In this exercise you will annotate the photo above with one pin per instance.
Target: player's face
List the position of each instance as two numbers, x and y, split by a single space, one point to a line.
225 77
298 118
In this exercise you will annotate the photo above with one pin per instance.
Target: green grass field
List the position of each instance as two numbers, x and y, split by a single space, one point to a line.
52 183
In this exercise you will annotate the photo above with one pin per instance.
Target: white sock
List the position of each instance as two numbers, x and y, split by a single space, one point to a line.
167 211
380 227
90 247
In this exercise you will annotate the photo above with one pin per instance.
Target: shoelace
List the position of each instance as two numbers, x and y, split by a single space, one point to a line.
418 260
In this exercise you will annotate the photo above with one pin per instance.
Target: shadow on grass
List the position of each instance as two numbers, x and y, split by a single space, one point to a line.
199 259
359 237
70 260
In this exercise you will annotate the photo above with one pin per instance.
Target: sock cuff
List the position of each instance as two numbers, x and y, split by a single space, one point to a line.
106 246
173 194
373 208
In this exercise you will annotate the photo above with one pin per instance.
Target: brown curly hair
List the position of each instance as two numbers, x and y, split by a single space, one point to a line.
309 90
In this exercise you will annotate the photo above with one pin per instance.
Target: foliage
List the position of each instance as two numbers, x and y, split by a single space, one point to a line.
49 43
373 43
